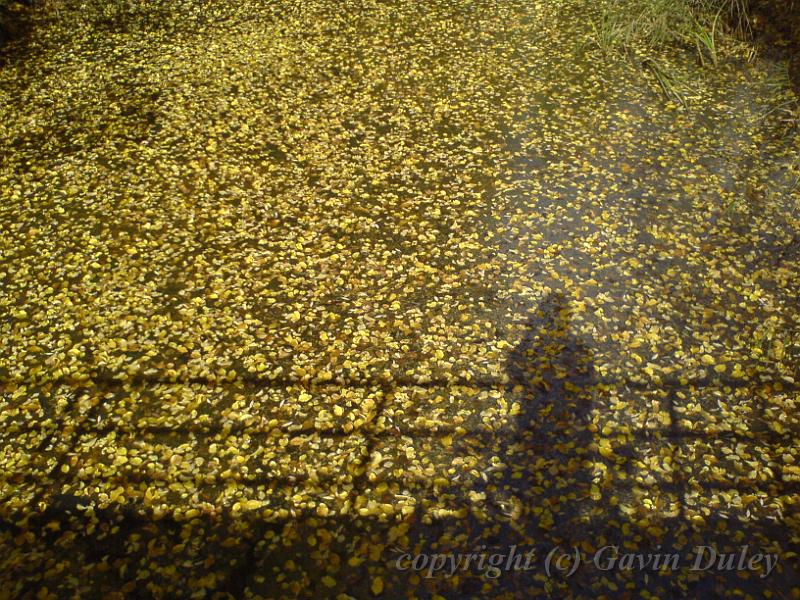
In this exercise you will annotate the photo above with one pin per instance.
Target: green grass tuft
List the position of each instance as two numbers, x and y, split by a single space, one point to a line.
648 24
640 28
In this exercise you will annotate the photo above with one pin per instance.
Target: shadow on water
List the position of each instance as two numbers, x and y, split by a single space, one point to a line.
545 480
551 376
537 478
15 24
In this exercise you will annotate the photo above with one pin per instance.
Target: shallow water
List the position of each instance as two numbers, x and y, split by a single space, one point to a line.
290 289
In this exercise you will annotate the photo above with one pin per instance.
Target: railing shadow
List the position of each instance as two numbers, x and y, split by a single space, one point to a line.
547 476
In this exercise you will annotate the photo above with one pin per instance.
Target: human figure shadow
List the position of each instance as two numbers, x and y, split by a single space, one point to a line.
537 482
548 445
548 369
570 488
